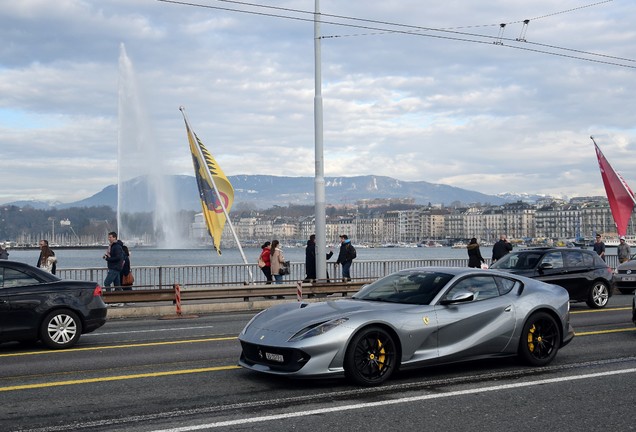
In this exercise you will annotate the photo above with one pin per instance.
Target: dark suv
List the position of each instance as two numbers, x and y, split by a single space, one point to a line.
581 272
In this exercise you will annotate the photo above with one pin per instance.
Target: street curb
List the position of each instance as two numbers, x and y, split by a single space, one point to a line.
146 311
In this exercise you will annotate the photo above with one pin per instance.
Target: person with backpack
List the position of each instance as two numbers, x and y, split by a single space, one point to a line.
126 276
114 257
346 256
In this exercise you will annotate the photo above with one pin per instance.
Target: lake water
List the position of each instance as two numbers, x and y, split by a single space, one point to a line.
84 258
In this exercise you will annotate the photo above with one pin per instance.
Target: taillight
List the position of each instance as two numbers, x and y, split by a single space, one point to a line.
97 292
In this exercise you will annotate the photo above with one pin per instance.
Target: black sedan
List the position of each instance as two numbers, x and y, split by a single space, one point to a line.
581 272
36 305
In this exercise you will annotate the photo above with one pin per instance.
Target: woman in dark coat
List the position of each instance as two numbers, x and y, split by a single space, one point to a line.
474 255
310 259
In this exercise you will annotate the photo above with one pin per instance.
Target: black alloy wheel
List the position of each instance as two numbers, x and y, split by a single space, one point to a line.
371 357
540 339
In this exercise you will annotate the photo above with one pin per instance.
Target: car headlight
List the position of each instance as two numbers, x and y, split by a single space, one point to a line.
317 329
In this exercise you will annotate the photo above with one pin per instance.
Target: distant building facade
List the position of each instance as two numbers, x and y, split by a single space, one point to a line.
554 220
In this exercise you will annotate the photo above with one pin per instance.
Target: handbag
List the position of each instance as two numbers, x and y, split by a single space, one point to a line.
128 280
284 269
261 262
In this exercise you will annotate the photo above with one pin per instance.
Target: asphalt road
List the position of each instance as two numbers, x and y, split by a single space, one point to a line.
181 375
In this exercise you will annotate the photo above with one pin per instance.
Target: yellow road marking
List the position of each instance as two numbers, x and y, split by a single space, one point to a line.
115 378
600 310
145 344
175 372
605 331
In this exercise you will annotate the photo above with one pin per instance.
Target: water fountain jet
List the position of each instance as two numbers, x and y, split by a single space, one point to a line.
139 159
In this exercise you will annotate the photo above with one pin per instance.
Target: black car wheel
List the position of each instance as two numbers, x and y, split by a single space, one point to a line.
371 357
626 290
598 296
61 329
540 339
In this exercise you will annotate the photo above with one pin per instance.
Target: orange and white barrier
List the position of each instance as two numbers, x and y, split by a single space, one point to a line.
177 297
299 291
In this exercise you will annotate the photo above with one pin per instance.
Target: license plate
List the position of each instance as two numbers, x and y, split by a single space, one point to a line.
628 278
274 357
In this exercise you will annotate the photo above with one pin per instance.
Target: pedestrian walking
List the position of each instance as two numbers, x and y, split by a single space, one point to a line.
501 248
277 261
114 257
346 256
624 252
47 260
475 259
599 246
310 259
126 276
264 261
4 253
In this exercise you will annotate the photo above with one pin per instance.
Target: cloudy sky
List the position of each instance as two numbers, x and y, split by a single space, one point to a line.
435 91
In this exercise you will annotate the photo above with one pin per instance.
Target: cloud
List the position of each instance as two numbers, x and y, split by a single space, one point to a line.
445 104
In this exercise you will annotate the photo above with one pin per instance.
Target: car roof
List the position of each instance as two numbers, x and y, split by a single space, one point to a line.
450 270
15 264
552 249
26 268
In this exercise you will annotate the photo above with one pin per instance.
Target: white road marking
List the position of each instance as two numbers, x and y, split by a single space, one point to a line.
393 402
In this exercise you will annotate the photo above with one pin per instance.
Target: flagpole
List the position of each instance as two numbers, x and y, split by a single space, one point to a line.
216 191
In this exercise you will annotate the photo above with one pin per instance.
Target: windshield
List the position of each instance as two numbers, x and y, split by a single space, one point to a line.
518 261
407 287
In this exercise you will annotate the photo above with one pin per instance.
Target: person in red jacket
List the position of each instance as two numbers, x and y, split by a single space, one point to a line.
264 262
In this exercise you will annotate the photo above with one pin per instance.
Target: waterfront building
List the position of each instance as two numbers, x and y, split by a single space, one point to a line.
369 228
518 220
554 220
454 224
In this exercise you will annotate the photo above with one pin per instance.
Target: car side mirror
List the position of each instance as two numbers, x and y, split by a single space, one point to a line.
460 297
546 266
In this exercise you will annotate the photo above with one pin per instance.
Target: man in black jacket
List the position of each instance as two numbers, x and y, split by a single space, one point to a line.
346 257
501 248
114 257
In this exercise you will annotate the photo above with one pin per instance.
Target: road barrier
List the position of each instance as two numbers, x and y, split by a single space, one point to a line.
244 292
177 298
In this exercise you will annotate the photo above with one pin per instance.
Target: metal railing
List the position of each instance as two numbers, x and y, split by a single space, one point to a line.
164 277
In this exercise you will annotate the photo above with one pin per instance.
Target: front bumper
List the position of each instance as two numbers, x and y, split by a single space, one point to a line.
567 338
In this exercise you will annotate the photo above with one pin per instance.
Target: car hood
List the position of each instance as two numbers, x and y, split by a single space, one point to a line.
629 265
287 319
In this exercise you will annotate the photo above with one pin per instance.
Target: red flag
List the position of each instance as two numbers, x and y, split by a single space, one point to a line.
620 196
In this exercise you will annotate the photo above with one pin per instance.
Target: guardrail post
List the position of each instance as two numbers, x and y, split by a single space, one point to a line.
177 297
299 291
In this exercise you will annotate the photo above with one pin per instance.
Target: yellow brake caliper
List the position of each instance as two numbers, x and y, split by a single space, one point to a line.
381 354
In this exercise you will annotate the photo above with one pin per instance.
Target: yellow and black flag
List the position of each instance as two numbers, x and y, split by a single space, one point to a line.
215 190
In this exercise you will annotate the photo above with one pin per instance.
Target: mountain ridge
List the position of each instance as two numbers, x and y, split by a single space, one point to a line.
265 191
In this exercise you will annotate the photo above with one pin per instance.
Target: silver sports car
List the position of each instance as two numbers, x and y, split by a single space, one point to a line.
411 318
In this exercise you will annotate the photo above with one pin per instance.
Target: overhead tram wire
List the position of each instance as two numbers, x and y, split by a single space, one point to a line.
489 39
